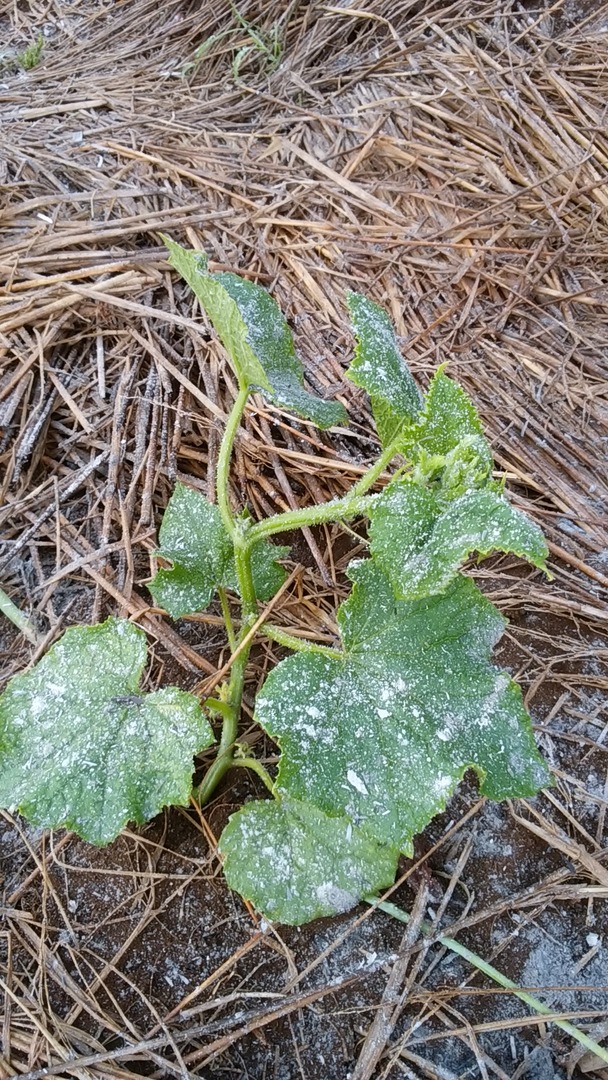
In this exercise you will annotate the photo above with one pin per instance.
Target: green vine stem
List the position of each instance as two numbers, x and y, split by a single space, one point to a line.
497 977
212 777
377 469
230 727
234 693
242 561
239 532
223 461
355 504
335 510
227 616
255 766
12 612
290 641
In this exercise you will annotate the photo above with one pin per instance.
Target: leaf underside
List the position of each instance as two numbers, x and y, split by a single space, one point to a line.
295 863
384 734
82 748
193 538
256 337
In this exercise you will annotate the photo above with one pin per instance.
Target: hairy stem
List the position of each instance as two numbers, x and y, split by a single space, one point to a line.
230 727
256 767
336 510
242 559
497 977
369 478
276 633
354 504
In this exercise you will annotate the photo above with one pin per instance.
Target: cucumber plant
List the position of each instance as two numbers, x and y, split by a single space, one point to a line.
374 733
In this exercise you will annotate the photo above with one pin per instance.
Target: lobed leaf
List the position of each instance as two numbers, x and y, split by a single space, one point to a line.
448 447
383 734
420 543
449 417
192 536
256 337
379 368
294 863
81 748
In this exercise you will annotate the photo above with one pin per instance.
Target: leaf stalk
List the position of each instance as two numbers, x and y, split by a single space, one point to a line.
290 641
223 462
369 478
355 504
335 510
255 766
227 616
221 707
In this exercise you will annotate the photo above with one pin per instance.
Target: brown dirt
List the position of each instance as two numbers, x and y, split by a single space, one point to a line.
451 161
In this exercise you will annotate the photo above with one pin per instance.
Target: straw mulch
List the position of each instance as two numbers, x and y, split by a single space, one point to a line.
450 160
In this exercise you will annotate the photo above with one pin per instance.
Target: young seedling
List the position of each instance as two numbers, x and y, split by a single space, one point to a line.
265 45
375 733
31 55
27 59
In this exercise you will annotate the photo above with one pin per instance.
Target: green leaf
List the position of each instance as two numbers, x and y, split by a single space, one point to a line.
384 734
222 311
256 337
192 536
449 417
467 466
82 749
295 863
379 368
420 544
448 446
